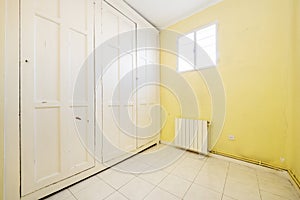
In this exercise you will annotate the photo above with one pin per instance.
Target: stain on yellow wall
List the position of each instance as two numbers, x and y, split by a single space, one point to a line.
255 40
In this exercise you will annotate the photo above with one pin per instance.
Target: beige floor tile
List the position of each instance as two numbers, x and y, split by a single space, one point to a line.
273 176
241 191
211 180
84 184
192 162
216 168
217 162
116 196
172 164
70 198
62 195
281 189
136 189
159 194
154 177
175 185
242 176
169 168
196 156
133 165
115 178
227 198
269 196
199 192
94 191
241 167
187 172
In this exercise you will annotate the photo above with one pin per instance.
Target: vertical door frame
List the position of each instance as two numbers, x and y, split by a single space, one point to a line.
11 102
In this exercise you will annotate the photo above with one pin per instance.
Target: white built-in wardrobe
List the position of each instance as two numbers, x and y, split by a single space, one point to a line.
72 106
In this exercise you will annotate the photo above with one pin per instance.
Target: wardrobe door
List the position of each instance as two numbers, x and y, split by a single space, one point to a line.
153 77
56 39
110 79
148 120
118 38
127 38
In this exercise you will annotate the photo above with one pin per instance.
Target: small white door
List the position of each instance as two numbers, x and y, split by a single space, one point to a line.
117 34
56 126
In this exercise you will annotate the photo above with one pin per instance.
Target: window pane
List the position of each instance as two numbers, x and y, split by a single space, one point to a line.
186 45
187 39
206 32
183 65
187 52
206 40
200 53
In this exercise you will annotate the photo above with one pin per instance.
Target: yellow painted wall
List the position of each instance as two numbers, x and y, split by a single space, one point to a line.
256 49
2 48
295 139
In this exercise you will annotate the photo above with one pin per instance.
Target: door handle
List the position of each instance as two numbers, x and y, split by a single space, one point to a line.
78 118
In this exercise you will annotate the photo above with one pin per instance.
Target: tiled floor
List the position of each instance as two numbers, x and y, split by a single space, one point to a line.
191 177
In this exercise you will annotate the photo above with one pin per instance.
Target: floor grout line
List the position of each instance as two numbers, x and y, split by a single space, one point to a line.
227 172
257 179
72 194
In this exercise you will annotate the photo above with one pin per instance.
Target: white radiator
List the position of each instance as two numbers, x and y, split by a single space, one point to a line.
191 135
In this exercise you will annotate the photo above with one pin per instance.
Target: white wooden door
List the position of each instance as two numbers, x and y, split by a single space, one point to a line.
56 126
127 77
116 107
148 93
111 104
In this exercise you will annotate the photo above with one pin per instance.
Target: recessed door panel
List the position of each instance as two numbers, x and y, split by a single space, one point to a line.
47 143
78 67
53 50
47 63
79 147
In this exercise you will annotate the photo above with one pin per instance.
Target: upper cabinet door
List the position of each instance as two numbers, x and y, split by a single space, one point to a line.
57 84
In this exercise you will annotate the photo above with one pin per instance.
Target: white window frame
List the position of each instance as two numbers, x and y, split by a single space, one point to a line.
194 64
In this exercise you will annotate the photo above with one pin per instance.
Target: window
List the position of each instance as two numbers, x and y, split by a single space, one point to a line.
198 49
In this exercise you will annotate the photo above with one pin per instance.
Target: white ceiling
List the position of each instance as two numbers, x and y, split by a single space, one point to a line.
163 13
